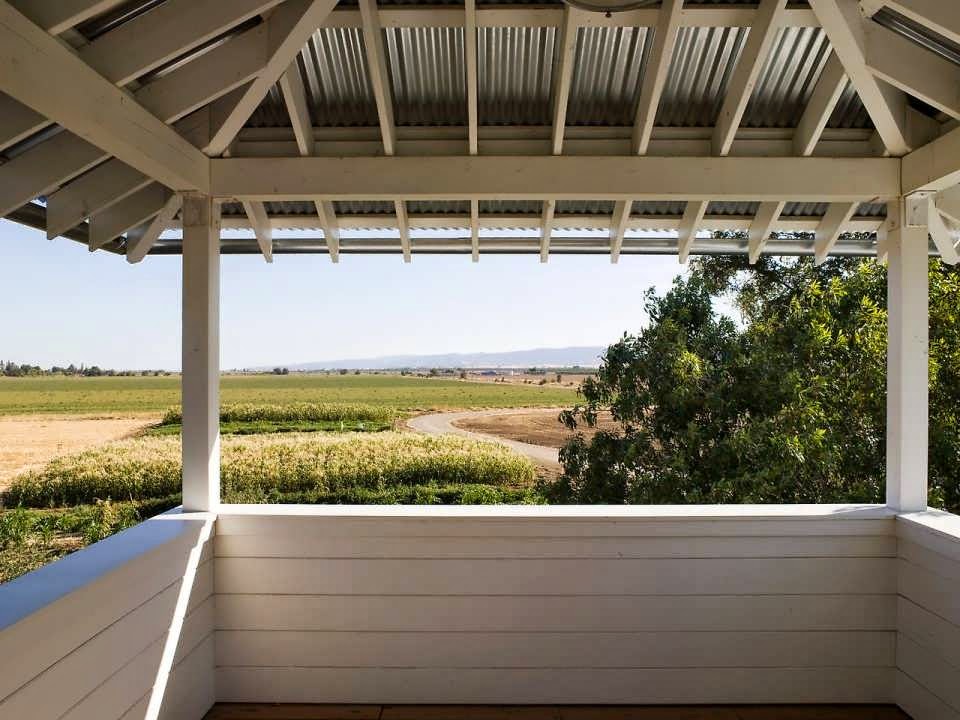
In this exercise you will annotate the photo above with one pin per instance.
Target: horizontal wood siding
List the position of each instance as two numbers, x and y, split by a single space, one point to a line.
99 650
928 616
488 609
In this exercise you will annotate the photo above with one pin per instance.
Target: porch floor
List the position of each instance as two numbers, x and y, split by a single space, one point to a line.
257 711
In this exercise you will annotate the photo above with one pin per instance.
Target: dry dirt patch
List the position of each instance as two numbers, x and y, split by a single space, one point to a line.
29 441
536 427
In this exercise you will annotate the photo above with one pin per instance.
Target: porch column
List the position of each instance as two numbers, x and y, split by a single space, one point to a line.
907 360
201 353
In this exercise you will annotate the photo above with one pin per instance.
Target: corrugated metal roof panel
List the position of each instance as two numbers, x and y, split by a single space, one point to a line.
363 207
608 67
703 61
333 65
427 75
515 75
438 207
732 208
511 207
788 78
658 207
584 207
849 112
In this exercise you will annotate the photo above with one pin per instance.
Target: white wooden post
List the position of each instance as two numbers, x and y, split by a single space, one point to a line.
907 361
201 353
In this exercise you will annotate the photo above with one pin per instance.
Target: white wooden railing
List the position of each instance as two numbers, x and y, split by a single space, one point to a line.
392 604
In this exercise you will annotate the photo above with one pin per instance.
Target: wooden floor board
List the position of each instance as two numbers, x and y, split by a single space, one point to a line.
249 711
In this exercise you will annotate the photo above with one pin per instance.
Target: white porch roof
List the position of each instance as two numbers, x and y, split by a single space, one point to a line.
501 128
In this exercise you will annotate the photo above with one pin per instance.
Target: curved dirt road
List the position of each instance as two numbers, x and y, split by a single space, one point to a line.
442 424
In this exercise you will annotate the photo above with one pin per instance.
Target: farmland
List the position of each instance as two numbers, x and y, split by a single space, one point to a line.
142 395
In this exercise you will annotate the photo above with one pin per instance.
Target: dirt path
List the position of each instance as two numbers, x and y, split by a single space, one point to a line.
448 423
29 441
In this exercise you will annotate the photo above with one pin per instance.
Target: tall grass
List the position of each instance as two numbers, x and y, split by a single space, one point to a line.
298 467
294 412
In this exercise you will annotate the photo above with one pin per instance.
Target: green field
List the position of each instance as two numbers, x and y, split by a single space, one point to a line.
70 395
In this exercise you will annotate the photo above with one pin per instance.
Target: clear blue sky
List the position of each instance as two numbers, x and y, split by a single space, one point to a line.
62 304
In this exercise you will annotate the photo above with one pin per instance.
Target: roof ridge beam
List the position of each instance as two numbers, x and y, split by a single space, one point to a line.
752 59
768 214
655 75
940 16
912 68
886 105
826 94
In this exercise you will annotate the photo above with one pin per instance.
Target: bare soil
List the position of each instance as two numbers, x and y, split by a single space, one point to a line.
537 427
29 441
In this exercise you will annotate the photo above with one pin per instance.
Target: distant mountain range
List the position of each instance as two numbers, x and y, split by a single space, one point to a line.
539 357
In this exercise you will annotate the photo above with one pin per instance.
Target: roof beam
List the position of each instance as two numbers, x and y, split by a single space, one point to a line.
655 74
331 228
618 226
257 215
812 179
767 216
58 16
934 166
755 53
546 228
41 73
832 225
475 230
938 15
826 94
886 105
141 239
293 24
379 77
912 68
689 226
127 214
400 207
567 42
295 98
470 51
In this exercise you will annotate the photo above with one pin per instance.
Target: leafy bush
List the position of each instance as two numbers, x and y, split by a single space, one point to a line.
257 468
294 412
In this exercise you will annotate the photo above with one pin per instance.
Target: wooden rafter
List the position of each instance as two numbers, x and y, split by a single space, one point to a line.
567 43
826 94
127 214
41 73
689 226
141 239
295 98
941 234
940 16
470 51
655 74
58 16
618 226
768 214
759 42
257 215
832 225
331 228
546 228
295 22
475 230
400 208
886 105
379 77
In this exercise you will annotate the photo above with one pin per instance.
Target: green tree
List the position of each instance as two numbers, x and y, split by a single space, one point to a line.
786 405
